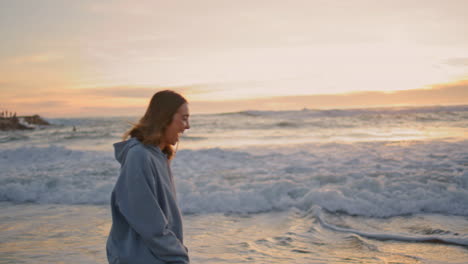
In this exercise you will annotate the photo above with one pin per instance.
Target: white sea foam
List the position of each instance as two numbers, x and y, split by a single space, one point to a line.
370 179
56 175
454 239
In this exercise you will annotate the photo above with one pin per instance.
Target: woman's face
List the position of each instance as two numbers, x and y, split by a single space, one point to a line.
180 122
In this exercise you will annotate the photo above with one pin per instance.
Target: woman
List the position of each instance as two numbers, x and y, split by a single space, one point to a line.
146 221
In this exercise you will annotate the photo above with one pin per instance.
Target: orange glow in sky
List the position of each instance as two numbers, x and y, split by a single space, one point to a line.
96 58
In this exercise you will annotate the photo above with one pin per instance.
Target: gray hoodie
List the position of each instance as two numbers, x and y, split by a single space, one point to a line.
146 221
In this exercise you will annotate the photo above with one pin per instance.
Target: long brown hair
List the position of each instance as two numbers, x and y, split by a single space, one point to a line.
152 126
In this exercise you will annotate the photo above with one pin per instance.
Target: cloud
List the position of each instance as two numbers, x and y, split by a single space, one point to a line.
142 91
121 7
463 61
132 101
44 104
114 110
118 92
31 106
459 85
441 94
4 84
29 97
35 58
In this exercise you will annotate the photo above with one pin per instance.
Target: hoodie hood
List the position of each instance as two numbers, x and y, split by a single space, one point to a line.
121 149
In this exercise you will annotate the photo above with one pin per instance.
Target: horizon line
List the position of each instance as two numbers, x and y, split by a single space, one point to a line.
383 107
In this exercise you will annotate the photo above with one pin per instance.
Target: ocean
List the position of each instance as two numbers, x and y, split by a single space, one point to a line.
382 185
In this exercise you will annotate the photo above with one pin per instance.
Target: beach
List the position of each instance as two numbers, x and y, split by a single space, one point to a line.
384 185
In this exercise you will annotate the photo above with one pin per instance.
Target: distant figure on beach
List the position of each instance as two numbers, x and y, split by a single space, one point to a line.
146 221
74 129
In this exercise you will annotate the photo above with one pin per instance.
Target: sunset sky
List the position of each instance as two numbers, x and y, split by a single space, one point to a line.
101 58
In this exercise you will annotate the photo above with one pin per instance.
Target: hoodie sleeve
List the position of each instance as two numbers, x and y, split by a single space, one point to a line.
138 203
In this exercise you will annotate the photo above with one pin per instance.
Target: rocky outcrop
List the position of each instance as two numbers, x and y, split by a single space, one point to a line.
35 120
11 123
21 123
